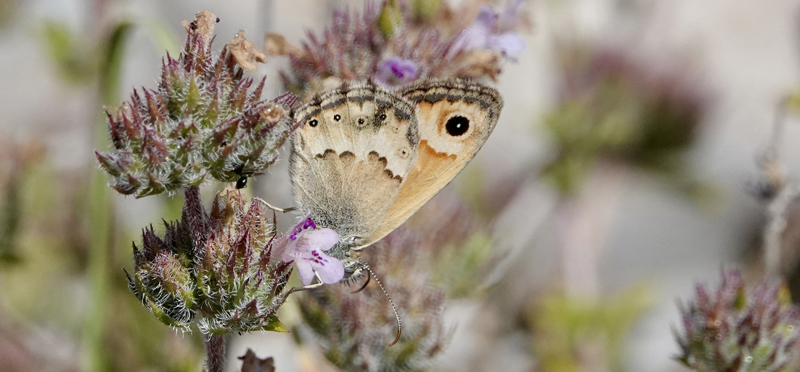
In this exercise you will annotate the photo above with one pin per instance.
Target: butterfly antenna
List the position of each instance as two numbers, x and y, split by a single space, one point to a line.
396 316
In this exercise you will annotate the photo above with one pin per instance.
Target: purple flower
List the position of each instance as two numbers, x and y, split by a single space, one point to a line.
510 19
483 33
396 71
304 245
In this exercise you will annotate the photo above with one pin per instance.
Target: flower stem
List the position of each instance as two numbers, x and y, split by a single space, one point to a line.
215 352
786 192
584 222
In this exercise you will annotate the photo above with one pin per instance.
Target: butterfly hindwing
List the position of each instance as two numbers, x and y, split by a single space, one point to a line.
351 156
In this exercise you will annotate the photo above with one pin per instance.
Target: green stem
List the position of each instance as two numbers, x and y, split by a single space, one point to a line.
101 211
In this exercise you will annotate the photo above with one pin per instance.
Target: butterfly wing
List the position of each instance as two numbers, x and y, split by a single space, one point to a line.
455 118
350 158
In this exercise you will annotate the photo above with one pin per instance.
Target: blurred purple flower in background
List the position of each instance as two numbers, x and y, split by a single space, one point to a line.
396 71
304 245
494 32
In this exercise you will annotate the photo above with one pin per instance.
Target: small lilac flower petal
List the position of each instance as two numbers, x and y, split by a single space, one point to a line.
508 20
282 243
322 239
483 33
396 71
510 44
308 241
476 35
304 245
487 18
473 37
330 270
304 271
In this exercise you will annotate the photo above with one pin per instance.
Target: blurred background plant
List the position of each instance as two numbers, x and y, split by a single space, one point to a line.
735 328
558 249
614 115
614 108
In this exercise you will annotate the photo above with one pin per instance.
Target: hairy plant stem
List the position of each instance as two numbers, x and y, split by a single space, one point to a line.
215 352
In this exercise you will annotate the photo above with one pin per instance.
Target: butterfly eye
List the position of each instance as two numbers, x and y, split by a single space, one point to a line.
337 117
383 116
457 125
313 123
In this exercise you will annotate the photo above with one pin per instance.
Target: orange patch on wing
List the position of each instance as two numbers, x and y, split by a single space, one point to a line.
430 151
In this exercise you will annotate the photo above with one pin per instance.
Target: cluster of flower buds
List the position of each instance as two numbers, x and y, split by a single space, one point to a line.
357 328
733 329
216 270
203 120
396 43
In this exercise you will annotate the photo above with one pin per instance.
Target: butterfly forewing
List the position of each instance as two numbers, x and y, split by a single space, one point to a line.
455 119
350 158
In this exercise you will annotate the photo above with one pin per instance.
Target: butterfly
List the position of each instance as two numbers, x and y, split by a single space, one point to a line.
365 158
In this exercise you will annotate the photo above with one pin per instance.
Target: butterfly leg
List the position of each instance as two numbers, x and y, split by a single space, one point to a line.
364 285
282 210
318 283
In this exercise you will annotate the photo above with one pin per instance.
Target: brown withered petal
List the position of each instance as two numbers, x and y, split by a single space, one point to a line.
276 45
202 25
272 112
245 52
252 363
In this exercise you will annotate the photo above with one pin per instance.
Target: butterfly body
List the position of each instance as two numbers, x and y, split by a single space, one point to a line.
365 158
